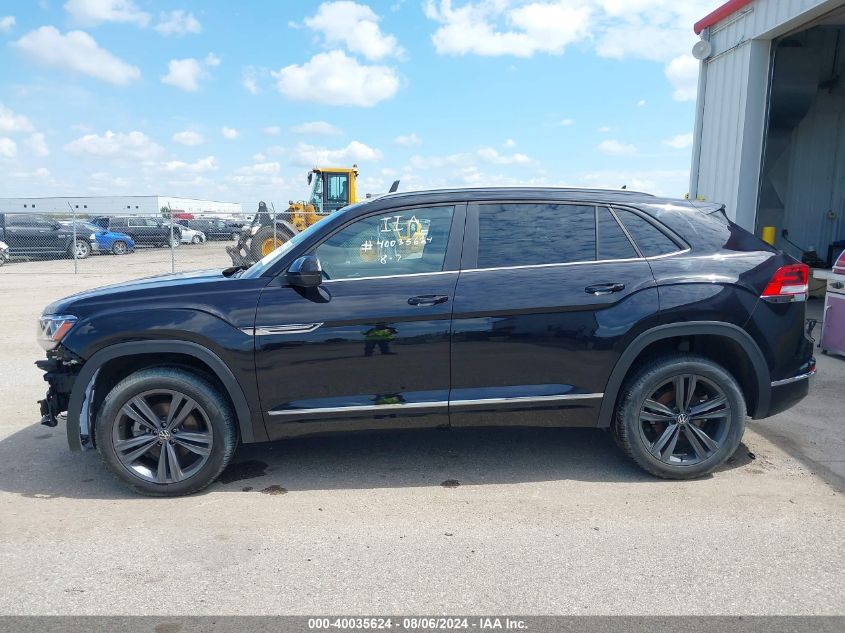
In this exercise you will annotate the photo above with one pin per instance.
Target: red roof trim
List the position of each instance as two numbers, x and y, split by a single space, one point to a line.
726 10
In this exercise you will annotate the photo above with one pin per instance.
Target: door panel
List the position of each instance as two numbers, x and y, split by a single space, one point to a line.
369 348
534 344
360 357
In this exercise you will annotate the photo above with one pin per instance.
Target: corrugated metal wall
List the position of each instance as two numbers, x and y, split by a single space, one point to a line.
732 107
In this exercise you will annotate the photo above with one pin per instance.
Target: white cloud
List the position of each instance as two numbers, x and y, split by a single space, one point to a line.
354 26
604 129
334 78
310 155
7 22
490 155
509 143
209 163
78 52
408 140
134 145
186 74
679 141
258 157
229 133
436 162
617 148
671 183
260 174
93 12
178 23
682 73
316 128
566 122
272 130
37 144
641 103
655 30
8 148
188 137
42 173
11 122
249 79
497 28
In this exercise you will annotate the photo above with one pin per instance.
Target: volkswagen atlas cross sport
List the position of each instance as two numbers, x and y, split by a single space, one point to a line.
658 319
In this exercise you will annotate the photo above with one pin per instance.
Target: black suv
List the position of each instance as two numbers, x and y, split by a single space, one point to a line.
39 236
660 320
144 231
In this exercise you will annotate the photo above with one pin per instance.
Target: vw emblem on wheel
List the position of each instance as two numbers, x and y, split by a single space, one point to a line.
164 435
683 418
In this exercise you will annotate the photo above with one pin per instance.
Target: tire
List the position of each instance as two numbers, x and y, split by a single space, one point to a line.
81 250
211 422
174 242
196 239
650 430
265 236
119 247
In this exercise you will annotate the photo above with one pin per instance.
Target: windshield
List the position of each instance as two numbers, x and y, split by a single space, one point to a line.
315 196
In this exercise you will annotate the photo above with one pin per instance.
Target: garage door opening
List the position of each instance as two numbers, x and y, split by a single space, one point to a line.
802 188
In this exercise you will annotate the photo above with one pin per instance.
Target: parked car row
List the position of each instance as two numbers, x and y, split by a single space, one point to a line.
38 236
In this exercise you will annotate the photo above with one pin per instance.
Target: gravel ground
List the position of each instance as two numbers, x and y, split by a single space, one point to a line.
506 521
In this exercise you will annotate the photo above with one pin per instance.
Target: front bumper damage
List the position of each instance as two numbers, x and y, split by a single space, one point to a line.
60 376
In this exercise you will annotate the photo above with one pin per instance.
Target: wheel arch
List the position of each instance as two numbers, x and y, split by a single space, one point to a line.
153 353
756 387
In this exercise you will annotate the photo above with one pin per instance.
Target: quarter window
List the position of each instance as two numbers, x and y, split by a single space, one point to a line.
612 241
650 240
399 243
523 234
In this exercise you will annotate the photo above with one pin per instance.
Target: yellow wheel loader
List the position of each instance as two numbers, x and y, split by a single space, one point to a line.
331 188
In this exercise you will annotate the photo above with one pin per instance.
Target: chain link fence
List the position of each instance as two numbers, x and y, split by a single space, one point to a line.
149 243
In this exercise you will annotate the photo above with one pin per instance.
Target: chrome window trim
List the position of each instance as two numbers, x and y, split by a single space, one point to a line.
438 403
581 263
787 381
436 272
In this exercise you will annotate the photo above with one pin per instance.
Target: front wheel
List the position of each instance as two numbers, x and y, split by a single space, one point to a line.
80 249
680 416
174 242
195 239
166 431
119 248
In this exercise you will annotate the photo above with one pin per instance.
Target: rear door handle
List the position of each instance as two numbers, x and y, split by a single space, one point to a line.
427 300
604 289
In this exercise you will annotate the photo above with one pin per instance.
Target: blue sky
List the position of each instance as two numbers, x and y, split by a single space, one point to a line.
235 101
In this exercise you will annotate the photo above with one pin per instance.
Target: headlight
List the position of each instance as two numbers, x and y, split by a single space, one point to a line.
52 329
3 245
92 238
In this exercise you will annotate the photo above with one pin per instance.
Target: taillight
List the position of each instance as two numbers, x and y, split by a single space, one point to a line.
789 283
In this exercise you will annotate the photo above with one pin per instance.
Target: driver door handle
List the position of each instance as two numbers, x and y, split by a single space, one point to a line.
604 289
427 300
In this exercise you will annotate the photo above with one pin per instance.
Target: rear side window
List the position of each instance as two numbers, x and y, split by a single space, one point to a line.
650 240
523 234
612 241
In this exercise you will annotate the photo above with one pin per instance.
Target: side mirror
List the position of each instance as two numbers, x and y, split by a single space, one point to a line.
305 272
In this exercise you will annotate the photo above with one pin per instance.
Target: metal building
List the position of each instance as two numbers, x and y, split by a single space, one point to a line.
770 119
117 205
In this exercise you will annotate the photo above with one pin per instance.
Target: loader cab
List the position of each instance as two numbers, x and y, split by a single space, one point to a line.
332 188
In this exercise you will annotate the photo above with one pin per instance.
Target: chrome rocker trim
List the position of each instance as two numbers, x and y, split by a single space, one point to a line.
290 328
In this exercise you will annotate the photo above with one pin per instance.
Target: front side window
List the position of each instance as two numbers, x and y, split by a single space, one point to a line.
525 234
399 243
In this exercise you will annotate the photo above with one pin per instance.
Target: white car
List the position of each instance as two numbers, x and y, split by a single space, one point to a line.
190 236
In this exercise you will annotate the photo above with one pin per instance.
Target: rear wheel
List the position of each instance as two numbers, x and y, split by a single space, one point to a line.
119 248
166 431
195 239
680 416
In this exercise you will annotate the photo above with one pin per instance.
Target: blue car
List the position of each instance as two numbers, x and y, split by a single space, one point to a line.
107 241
